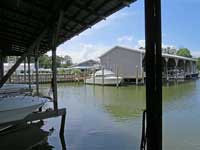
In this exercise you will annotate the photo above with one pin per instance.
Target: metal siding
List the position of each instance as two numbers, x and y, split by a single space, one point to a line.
126 61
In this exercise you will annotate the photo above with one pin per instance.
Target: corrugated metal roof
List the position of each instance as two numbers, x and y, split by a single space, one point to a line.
143 51
21 21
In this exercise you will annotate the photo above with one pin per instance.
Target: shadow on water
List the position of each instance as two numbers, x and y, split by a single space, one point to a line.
27 137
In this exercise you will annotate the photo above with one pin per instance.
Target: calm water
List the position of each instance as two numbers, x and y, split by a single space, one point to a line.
109 118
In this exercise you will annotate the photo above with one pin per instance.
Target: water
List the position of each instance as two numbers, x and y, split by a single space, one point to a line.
109 118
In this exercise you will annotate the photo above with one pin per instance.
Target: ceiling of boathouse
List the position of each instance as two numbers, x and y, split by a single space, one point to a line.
22 21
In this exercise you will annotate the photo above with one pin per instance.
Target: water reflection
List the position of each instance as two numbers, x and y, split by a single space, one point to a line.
28 137
110 118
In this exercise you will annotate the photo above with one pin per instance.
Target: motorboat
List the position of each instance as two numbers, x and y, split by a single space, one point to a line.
15 89
104 77
18 107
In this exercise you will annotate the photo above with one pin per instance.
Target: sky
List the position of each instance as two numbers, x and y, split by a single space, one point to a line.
180 28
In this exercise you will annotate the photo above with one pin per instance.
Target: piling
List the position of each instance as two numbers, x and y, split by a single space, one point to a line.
117 70
93 76
103 76
136 75
142 75
1 67
36 75
29 73
176 68
25 70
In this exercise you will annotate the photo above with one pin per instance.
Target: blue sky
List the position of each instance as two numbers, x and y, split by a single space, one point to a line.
180 28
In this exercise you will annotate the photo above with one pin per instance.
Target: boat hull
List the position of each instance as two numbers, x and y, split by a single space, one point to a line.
107 81
17 114
18 107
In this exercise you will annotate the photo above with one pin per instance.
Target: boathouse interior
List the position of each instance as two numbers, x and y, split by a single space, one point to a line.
31 28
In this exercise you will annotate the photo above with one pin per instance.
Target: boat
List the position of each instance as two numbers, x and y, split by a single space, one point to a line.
104 77
18 107
15 89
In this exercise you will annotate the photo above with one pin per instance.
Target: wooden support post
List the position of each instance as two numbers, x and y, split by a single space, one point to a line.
62 126
166 66
142 75
102 75
36 76
117 70
25 70
29 72
153 74
1 67
184 68
191 70
136 75
54 79
85 75
54 67
93 76
176 68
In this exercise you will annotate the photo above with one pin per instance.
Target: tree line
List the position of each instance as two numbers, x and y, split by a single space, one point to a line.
186 53
45 61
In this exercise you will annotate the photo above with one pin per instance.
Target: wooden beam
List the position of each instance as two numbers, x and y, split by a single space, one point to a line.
29 72
36 76
21 59
153 74
54 67
1 66
25 70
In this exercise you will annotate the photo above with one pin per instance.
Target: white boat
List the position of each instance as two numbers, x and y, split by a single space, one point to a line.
18 107
15 89
105 77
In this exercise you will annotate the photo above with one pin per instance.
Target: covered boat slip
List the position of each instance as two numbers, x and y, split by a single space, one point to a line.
31 28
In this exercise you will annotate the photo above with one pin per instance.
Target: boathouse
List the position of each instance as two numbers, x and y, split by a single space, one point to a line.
130 64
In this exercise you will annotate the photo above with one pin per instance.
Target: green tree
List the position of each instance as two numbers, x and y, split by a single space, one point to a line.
184 52
66 61
198 63
44 61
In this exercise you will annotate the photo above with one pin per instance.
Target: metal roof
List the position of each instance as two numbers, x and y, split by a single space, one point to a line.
22 21
143 52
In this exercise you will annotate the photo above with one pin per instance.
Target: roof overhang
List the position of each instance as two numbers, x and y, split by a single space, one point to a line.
22 21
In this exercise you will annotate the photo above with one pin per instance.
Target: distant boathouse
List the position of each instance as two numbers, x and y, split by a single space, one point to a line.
129 63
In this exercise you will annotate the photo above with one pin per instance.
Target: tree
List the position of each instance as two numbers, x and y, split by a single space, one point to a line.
67 61
184 52
198 63
44 61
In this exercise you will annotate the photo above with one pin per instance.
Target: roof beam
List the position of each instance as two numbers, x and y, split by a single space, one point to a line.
21 59
33 45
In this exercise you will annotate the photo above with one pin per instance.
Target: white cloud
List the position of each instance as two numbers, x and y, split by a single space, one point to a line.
109 21
125 38
82 52
140 43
